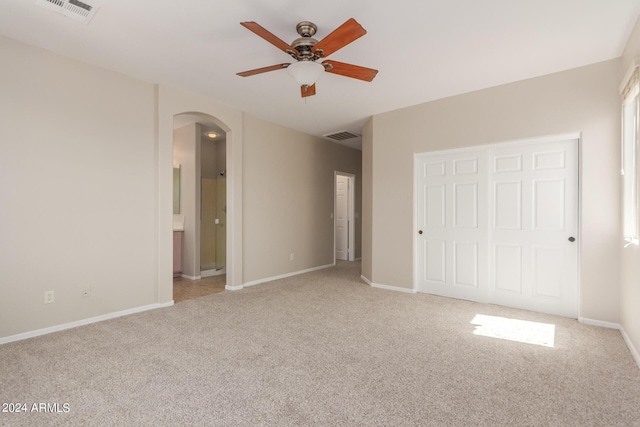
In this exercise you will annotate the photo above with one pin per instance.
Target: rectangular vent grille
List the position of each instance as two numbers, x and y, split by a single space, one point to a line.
79 7
341 136
75 9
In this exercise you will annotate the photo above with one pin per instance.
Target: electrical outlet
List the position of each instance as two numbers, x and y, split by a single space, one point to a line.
86 291
291 256
48 297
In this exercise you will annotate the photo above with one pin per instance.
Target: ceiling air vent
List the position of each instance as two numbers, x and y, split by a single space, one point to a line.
75 9
341 136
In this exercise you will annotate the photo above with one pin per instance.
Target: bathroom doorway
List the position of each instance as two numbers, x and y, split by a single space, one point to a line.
200 208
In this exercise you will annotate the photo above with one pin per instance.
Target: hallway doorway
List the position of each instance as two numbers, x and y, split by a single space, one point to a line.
343 214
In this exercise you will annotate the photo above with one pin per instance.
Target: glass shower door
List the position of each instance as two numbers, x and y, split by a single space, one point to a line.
208 226
221 225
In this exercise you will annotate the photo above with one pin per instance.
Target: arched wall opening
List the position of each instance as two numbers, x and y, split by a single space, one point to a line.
171 103
199 202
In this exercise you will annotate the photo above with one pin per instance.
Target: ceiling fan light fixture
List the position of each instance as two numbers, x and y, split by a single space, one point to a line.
305 72
308 53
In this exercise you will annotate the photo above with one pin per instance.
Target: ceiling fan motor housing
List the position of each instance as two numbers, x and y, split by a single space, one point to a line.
304 43
306 28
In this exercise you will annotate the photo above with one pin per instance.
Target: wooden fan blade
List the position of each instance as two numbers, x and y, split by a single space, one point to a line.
268 36
263 70
349 70
339 38
308 91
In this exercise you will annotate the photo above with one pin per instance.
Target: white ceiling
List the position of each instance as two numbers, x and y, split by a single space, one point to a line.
423 49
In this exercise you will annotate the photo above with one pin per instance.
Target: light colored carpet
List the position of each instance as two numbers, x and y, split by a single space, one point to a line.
321 349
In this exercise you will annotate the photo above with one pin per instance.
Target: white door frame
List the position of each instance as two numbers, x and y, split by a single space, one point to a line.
350 212
487 147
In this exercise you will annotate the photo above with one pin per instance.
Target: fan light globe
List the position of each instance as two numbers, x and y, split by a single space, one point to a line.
305 72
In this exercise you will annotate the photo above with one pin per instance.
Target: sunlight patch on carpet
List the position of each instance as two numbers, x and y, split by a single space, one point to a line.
514 330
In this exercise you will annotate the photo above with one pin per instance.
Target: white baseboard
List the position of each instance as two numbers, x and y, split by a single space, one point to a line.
82 322
184 276
283 276
233 288
625 336
367 281
600 323
387 287
632 348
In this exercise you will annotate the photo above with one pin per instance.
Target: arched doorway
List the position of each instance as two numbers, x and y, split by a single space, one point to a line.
199 205
172 102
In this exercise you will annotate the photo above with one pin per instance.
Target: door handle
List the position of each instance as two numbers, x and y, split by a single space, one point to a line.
420 232
572 239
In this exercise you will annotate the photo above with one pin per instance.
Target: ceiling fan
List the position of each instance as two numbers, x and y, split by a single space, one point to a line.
307 51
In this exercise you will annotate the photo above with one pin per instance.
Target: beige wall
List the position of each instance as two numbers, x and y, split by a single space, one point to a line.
187 150
288 198
209 158
630 262
367 193
213 155
77 179
221 157
580 100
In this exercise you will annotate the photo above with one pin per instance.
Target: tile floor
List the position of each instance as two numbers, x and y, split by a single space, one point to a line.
185 289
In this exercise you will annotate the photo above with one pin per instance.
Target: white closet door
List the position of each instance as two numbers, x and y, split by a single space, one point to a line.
534 225
452 222
342 217
500 225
